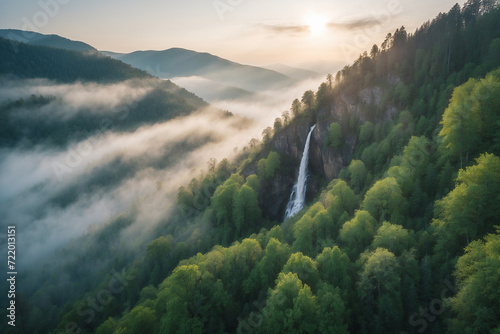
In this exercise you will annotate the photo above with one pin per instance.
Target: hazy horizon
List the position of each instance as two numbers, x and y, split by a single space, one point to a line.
254 33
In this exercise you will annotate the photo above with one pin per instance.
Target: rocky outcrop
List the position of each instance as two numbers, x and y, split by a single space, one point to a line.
289 143
325 162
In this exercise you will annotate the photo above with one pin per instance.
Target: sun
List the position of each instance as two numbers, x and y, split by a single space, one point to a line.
317 24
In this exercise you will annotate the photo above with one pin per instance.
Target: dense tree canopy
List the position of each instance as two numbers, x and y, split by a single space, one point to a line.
401 237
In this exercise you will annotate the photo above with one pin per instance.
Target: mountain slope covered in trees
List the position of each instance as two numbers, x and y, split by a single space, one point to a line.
177 62
55 41
34 61
400 232
78 131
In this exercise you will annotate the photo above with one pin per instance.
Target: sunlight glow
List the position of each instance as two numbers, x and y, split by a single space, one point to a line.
317 24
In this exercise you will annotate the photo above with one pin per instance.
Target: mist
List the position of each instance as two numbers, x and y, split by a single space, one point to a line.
56 194
262 106
91 97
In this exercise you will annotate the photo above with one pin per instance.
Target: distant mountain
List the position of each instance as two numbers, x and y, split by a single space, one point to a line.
19 61
178 62
323 67
54 41
293 72
212 91
34 61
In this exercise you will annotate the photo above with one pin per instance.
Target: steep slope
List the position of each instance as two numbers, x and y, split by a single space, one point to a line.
19 62
378 246
54 41
177 62
401 184
100 149
32 61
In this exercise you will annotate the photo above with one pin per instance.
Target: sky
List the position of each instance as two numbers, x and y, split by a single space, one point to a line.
256 32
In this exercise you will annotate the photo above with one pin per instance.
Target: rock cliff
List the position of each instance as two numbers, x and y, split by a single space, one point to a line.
325 162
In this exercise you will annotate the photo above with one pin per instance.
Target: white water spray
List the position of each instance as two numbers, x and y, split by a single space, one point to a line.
298 196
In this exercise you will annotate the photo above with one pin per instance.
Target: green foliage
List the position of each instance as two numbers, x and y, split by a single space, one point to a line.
140 319
470 118
358 233
344 199
275 257
335 135
416 155
290 307
471 208
222 201
296 108
461 121
190 301
365 260
304 267
366 132
323 94
267 168
392 237
332 312
384 200
304 233
379 289
272 164
31 61
158 248
358 175
261 169
109 326
477 303
246 210
333 265
308 100
253 182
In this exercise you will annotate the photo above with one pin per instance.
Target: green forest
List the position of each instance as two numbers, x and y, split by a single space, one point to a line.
402 237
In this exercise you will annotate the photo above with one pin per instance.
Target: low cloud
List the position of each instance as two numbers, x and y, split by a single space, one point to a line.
287 29
72 98
267 105
139 170
354 23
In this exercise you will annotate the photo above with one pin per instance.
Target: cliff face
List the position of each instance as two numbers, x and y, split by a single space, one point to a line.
325 162
289 143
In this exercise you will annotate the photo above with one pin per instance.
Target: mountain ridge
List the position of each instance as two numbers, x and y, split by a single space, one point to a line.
180 62
52 40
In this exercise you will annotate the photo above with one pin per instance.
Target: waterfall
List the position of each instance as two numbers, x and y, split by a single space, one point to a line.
298 195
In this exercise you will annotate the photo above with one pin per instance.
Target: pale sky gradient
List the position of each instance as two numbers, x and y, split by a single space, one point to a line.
257 32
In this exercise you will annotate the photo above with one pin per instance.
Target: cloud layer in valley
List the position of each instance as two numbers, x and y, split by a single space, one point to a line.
111 172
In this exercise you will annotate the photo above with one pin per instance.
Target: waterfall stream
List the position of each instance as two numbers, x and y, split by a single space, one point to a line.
298 195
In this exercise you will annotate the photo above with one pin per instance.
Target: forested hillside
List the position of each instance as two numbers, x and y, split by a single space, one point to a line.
77 132
34 38
34 61
401 232
177 62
